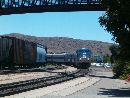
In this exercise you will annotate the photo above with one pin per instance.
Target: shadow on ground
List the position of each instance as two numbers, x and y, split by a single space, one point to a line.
123 92
28 70
102 76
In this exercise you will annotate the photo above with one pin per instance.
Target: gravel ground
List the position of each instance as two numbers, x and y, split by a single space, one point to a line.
15 77
105 88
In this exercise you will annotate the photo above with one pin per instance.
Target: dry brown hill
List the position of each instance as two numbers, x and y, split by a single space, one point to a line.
64 44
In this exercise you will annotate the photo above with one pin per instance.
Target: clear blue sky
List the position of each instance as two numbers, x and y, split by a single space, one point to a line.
78 25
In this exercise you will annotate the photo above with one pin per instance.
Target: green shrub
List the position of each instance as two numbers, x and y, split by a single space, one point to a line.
126 71
121 69
118 68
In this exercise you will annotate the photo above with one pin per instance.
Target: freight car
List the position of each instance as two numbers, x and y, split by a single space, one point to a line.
80 59
15 52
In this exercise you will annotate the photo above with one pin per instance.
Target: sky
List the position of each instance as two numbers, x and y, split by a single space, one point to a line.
77 25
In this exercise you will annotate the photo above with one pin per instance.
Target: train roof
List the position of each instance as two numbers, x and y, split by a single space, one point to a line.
59 53
82 49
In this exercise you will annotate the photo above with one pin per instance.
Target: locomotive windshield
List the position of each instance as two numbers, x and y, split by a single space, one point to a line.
84 52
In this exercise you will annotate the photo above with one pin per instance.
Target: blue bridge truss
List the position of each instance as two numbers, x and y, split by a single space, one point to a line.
36 6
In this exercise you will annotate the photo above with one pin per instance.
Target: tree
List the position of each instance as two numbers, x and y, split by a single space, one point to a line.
115 51
106 59
116 21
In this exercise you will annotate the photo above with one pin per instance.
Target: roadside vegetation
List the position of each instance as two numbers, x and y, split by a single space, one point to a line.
116 21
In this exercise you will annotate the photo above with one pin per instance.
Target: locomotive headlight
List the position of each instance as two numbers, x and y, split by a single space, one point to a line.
84 56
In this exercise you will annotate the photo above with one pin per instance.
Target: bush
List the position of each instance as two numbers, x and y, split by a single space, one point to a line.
121 69
118 68
126 71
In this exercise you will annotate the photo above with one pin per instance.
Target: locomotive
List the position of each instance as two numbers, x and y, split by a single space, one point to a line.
15 52
83 58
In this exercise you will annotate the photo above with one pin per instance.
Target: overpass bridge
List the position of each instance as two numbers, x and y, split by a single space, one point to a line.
37 6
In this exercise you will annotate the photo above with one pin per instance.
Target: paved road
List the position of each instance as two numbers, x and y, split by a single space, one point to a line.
107 87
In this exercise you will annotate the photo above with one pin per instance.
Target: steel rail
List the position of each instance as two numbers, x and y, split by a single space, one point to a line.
22 86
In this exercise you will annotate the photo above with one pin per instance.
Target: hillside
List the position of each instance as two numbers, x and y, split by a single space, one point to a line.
64 44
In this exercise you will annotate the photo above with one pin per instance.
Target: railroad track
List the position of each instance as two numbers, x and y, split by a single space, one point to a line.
22 86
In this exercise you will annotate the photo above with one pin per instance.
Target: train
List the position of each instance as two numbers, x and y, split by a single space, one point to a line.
16 52
83 58
99 59
80 59
62 58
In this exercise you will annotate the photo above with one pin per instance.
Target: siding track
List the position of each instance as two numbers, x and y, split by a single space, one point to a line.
22 86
